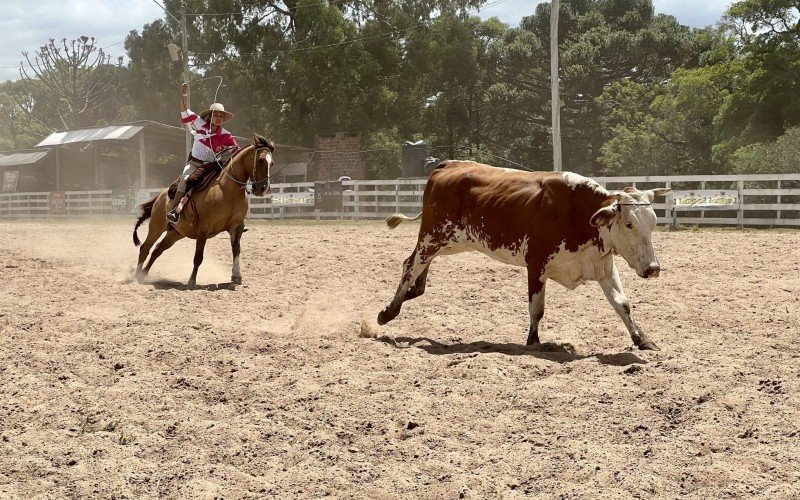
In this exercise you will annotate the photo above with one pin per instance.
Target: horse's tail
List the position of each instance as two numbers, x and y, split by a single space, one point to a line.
394 220
147 211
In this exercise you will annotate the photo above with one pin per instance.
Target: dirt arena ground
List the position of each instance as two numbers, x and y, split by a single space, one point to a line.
114 389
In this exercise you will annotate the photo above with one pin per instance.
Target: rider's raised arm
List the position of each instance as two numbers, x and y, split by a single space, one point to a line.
184 97
189 117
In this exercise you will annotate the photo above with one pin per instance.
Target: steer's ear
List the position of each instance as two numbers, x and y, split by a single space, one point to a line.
605 216
653 193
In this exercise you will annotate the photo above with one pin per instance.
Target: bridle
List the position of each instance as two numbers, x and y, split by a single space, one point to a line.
252 180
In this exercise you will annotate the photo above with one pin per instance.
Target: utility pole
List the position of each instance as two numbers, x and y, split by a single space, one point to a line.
556 102
185 54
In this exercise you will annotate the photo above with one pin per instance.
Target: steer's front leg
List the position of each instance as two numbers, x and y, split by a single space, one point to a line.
536 286
612 288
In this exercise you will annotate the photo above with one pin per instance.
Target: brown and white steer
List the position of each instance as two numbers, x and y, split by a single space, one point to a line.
559 225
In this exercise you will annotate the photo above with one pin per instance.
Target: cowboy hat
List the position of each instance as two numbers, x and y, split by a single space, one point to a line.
206 115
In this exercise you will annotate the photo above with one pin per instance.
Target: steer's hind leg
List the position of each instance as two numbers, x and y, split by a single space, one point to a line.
612 288
414 267
419 285
536 288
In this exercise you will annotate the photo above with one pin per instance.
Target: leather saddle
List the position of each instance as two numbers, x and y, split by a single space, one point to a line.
199 180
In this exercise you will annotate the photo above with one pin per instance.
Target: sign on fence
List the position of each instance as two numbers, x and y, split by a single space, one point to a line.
142 196
705 199
291 199
10 179
119 201
328 196
57 202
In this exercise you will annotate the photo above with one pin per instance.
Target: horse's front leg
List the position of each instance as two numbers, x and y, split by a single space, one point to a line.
236 241
198 258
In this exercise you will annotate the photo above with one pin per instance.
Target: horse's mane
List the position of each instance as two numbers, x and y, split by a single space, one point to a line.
239 152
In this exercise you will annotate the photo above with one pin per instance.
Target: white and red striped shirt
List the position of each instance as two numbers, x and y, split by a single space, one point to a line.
206 142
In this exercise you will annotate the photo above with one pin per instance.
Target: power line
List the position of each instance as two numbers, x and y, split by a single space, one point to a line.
113 44
165 10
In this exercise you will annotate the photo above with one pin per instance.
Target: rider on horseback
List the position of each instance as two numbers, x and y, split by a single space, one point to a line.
210 140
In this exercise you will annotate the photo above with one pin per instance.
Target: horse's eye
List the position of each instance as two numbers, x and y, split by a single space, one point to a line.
629 225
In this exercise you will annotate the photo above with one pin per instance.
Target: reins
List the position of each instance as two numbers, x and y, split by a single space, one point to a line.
255 164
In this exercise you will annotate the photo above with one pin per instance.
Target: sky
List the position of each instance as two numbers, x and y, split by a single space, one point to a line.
29 25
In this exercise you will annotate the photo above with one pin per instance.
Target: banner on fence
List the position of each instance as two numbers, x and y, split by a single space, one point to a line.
119 201
705 199
328 196
291 199
57 202
141 196
10 179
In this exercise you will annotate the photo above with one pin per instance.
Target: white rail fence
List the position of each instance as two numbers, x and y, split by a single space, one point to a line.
763 200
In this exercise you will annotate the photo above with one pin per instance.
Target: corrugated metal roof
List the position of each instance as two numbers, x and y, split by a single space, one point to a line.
23 157
114 132
290 169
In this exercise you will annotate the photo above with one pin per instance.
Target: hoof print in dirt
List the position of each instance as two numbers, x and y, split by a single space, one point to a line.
632 370
771 386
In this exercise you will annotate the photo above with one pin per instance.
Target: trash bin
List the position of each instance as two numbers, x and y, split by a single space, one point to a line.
413 160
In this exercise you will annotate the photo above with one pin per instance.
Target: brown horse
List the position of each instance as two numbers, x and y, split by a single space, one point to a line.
220 207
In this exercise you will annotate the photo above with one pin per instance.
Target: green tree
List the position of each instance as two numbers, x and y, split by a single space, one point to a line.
600 42
153 79
67 84
775 157
21 130
767 100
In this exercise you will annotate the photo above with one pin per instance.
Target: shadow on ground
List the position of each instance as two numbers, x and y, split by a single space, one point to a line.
176 285
551 351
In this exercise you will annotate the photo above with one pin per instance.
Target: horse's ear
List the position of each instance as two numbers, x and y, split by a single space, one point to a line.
260 141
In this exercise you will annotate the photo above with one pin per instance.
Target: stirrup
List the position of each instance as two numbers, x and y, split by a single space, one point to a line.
173 216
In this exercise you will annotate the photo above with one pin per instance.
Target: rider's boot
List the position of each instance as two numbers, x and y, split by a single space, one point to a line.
173 215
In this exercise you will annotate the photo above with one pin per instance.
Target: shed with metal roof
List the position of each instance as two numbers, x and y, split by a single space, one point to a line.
22 170
141 154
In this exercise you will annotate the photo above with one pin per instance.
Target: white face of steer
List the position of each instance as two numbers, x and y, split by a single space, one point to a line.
627 225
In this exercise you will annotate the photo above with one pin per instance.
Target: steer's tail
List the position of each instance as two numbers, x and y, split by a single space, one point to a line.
147 211
394 220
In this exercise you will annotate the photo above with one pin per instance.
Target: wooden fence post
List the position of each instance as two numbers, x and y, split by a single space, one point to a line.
356 209
740 187
397 197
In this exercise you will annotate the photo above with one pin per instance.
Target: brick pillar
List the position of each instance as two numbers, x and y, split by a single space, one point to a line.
336 154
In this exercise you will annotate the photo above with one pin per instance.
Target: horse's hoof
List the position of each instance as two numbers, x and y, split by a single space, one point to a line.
236 280
648 346
191 285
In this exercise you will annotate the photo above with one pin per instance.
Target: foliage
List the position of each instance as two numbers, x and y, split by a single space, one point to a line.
766 101
66 84
641 93
777 157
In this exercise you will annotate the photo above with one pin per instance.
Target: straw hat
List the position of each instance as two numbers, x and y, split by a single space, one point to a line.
206 115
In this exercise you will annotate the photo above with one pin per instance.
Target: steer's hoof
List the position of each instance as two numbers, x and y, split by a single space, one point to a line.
236 280
385 316
191 285
648 346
